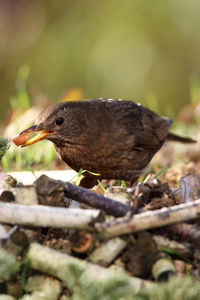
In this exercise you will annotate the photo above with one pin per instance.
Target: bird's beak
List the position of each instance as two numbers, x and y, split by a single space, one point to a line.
42 135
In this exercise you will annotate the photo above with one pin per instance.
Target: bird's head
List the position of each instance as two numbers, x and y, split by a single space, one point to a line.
61 122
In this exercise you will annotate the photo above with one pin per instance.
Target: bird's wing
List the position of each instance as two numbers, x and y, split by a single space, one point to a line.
155 130
143 128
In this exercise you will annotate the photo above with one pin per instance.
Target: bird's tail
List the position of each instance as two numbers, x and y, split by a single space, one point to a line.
176 138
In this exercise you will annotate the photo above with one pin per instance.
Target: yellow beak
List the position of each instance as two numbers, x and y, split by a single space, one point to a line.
42 135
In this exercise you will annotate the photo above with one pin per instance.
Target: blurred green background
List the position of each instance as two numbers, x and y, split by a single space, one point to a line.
146 51
139 50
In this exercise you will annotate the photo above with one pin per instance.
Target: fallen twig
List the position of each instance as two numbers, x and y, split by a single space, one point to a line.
186 232
173 245
111 207
39 215
106 252
150 219
61 265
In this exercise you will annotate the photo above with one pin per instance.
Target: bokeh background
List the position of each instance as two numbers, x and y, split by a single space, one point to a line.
140 50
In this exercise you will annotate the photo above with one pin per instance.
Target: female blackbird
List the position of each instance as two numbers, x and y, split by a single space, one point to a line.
114 138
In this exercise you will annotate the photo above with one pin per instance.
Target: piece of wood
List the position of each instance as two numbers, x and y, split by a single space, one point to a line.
39 215
150 219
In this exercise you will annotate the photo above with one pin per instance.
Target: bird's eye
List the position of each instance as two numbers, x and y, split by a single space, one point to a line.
59 121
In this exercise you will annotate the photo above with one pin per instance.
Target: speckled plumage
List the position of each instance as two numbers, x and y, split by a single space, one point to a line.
114 138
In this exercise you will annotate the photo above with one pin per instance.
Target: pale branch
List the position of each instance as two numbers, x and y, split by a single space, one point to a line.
39 215
107 251
150 219
173 245
60 265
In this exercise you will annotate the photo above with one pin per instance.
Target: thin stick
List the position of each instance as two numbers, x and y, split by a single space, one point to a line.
39 215
110 206
45 185
107 251
150 219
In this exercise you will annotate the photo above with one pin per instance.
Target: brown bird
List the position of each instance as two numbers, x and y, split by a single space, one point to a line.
114 138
